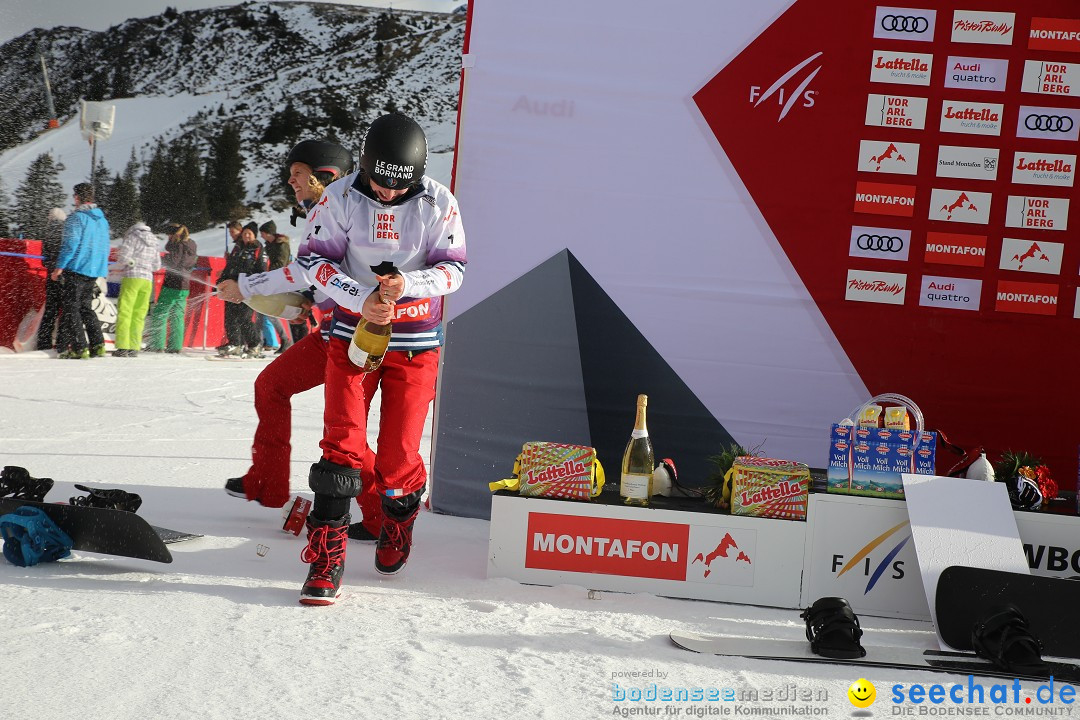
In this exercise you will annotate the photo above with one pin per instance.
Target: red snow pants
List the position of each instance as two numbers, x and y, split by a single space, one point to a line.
408 387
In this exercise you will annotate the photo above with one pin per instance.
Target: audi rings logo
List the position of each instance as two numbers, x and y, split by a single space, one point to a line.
1049 123
904 23
880 243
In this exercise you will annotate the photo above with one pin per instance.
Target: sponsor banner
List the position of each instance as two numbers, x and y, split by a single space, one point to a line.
1044 169
1058 34
888 156
881 243
608 546
1048 123
894 23
949 292
885 199
973 118
1026 297
1051 78
966 206
1031 256
981 26
876 287
896 111
973 73
1037 213
973 163
955 249
904 68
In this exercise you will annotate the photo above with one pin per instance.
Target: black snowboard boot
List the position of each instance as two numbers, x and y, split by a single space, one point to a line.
235 487
16 482
325 552
395 539
357 531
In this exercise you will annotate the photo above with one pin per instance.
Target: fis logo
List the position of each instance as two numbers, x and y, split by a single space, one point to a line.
888 563
785 99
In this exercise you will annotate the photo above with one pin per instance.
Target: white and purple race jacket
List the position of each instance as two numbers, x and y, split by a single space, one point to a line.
348 232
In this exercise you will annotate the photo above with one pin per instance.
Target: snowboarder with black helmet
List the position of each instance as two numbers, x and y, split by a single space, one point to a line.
310 164
387 212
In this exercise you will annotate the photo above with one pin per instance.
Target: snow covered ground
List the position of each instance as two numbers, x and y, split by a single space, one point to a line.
219 632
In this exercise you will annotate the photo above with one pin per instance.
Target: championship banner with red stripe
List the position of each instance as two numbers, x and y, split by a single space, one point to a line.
761 216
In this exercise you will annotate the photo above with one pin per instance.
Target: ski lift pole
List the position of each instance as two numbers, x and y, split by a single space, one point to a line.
93 161
53 122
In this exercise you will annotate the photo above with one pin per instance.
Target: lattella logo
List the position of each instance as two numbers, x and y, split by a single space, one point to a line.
1041 165
971 114
569 468
914 64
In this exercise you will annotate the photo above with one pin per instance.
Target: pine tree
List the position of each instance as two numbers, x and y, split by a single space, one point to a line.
40 192
5 211
124 209
121 81
189 199
285 126
155 187
224 185
100 181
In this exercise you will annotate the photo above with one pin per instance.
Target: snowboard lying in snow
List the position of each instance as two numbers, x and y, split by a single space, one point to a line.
895 658
102 530
965 594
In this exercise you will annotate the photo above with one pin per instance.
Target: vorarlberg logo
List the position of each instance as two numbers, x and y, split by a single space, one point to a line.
862 557
785 99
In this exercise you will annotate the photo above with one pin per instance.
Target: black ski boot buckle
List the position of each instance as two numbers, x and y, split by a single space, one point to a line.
102 498
1004 638
833 629
16 482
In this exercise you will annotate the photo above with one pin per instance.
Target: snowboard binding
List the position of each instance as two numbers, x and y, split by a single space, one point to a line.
833 629
16 482
1004 638
113 499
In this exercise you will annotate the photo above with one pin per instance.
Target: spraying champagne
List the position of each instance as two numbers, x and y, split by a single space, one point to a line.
286 305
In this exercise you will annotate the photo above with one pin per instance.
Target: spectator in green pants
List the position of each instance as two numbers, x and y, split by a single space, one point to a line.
137 259
168 317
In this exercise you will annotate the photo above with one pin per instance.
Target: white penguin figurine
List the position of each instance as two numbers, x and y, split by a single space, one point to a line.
981 469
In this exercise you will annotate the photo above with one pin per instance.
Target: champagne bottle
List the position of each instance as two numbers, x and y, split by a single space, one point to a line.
286 305
635 484
369 341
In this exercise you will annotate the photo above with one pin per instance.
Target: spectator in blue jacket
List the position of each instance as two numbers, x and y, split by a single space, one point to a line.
84 257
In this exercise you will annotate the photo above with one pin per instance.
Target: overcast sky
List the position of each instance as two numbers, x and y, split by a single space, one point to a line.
19 16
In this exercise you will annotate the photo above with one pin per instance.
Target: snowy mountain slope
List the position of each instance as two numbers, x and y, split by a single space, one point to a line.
340 66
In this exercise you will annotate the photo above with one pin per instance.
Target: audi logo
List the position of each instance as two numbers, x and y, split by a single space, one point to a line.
905 23
1052 123
880 243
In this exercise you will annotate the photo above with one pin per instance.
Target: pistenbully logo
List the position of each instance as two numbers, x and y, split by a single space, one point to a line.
783 98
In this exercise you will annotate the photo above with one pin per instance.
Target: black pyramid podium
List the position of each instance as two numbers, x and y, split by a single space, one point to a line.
552 357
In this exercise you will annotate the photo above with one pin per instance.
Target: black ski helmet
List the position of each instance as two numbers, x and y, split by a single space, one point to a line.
322 156
394 153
